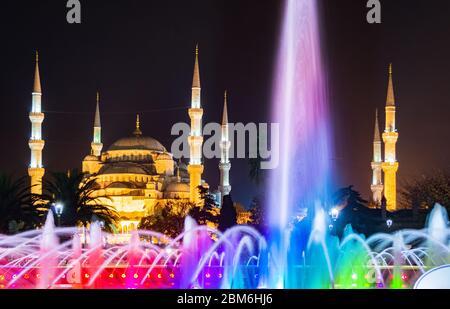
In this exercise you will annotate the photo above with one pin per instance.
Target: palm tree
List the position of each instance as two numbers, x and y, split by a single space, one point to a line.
19 209
75 192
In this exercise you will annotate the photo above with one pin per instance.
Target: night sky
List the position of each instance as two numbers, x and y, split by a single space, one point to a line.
140 54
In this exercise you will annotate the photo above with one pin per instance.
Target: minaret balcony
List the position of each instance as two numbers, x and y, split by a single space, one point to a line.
390 167
226 166
38 172
376 165
195 140
36 144
390 137
36 117
195 113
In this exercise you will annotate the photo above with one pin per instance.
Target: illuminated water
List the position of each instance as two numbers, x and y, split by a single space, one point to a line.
299 251
300 106
237 259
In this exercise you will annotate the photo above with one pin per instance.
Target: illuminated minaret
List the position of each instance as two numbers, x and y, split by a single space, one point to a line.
96 145
377 181
36 170
225 165
195 139
390 137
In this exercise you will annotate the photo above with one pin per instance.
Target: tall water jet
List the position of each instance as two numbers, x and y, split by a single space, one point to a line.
48 253
300 107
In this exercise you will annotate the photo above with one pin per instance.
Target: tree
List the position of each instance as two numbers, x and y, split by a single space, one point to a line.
168 218
228 214
207 210
426 191
256 174
257 215
352 210
19 209
76 193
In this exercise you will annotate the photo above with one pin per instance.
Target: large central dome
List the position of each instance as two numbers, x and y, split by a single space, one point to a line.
138 142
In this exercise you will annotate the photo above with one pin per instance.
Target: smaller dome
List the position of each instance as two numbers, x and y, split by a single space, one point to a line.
176 187
164 156
124 168
122 185
90 158
138 143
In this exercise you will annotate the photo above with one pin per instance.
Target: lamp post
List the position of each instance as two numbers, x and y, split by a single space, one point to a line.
59 210
389 223
334 214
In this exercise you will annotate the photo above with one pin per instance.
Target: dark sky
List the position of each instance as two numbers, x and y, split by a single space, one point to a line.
139 54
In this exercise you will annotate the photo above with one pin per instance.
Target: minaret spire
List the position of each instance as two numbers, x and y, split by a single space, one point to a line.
36 170
97 112
196 78
195 139
137 132
225 145
37 77
390 138
225 110
377 182
390 101
377 135
96 145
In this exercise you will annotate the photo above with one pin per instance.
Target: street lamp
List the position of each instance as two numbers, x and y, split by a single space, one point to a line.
389 223
59 210
334 213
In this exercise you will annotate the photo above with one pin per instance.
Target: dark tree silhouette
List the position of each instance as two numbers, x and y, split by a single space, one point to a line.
207 210
258 219
352 210
426 191
75 192
228 214
19 209
256 174
167 219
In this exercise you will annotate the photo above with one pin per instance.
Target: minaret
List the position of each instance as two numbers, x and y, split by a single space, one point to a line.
225 144
377 181
390 137
96 145
195 139
36 170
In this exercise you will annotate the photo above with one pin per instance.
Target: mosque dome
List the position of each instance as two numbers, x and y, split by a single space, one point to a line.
124 168
138 143
90 158
164 156
178 187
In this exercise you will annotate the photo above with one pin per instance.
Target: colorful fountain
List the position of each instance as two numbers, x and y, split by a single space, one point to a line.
60 258
300 106
298 253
